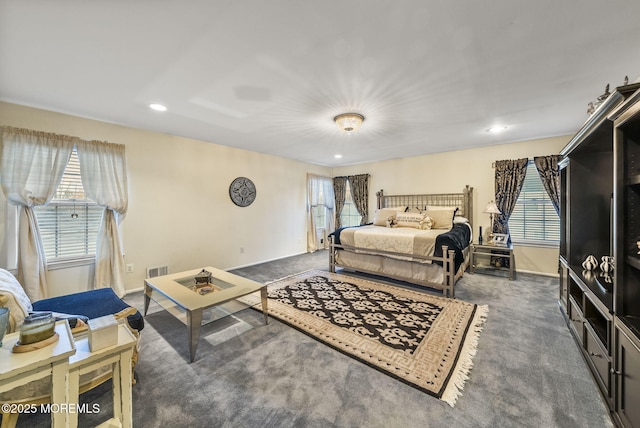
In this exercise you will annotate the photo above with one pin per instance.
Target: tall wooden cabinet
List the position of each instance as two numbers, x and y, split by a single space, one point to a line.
600 216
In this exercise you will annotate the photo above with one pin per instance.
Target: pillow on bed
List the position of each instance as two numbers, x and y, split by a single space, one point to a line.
381 215
442 216
415 220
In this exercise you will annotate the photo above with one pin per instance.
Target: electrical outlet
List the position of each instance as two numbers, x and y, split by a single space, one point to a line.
129 268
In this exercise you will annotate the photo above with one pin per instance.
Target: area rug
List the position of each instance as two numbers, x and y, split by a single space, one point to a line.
426 341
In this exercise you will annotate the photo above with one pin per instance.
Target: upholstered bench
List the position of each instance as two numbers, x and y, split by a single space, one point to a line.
90 304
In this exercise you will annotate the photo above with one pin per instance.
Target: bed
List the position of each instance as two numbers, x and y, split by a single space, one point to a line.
421 239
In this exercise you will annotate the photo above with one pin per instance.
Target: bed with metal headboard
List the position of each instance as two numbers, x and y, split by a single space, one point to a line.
422 239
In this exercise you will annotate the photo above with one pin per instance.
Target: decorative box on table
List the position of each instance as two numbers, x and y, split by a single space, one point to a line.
103 332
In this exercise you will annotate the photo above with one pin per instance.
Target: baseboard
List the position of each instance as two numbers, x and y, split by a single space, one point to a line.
552 275
267 261
137 290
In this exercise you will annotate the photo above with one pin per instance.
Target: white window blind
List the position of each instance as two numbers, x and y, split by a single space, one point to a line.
69 223
534 221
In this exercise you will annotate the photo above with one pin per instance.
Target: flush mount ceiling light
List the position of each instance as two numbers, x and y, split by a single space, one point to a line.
157 107
496 129
349 122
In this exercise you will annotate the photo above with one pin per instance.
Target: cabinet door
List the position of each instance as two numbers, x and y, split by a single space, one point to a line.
627 380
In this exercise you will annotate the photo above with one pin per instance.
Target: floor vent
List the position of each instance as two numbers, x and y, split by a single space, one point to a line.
157 271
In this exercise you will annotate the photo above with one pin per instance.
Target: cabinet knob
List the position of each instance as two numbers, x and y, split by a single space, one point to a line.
593 354
616 372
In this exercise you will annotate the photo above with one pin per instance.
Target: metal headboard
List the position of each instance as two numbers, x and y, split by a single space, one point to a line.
463 201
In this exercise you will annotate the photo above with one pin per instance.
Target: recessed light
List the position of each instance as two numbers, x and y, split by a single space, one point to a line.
157 107
338 156
497 128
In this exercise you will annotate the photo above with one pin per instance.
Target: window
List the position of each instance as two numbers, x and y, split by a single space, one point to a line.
349 215
534 221
69 223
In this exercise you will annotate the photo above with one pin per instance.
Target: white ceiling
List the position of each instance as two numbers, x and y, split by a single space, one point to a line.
269 76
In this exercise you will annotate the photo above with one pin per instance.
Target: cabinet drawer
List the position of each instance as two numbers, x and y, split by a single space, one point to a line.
575 316
599 358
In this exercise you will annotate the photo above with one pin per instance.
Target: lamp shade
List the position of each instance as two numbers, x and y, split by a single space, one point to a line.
349 122
492 208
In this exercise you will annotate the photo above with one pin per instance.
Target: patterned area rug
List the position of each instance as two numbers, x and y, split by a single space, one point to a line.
423 340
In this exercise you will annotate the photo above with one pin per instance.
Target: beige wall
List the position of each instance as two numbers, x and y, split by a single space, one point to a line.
179 212
450 172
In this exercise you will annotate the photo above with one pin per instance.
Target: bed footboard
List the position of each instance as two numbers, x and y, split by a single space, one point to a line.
449 276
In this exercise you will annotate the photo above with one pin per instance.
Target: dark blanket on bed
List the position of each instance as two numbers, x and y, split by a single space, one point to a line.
456 239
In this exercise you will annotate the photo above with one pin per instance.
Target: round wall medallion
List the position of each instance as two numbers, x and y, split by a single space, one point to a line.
242 192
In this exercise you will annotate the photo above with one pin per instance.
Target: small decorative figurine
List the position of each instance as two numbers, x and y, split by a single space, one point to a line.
607 264
590 263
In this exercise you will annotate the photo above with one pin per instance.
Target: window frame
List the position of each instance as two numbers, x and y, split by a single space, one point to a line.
79 202
350 206
543 243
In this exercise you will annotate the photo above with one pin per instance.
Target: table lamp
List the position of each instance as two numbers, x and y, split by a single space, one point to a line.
491 209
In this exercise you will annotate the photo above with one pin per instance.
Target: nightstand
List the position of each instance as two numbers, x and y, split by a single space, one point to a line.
492 251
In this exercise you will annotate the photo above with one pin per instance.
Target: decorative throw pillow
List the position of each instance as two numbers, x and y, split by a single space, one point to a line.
442 216
14 297
415 220
381 215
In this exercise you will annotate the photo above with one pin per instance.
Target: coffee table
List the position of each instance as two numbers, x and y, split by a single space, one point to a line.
177 293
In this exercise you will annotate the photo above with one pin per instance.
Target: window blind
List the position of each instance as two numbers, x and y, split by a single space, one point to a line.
534 220
69 223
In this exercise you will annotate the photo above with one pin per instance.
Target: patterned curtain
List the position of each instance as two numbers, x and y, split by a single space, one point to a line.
549 171
509 179
360 193
339 190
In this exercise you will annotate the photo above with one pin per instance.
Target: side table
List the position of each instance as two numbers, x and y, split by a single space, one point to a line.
492 251
53 360
119 357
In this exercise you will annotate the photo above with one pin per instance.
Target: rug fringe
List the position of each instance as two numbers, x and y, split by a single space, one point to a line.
465 362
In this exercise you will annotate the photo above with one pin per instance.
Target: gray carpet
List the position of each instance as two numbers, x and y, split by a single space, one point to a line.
527 371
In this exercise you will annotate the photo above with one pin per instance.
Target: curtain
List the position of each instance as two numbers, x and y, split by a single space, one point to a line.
549 172
103 170
31 168
319 193
359 185
509 178
340 191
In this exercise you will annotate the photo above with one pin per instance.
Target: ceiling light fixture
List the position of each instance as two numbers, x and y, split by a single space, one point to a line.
496 129
338 156
349 122
157 107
